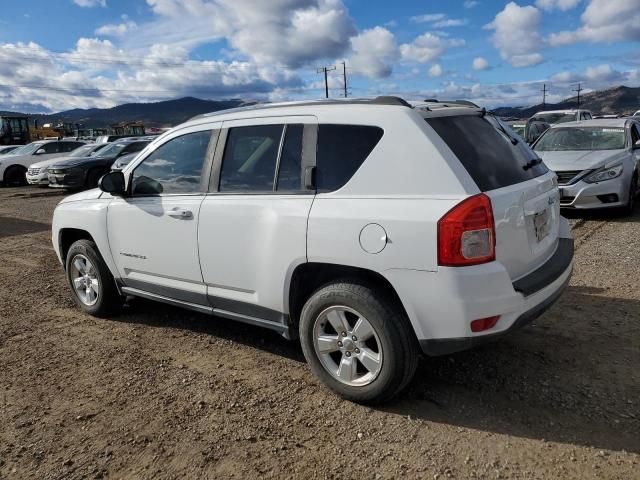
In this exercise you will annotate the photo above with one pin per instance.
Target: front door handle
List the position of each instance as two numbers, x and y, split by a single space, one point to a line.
180 213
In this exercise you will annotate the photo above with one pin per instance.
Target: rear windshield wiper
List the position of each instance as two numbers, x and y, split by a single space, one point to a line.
531 163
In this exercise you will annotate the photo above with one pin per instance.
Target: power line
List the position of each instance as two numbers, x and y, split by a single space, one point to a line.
326 80
344 77
579 89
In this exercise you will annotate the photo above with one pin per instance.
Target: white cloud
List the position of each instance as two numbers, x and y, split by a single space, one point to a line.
480 63
563 5
285 32
596 76
470 3
78 79
427 47
435 71
90 3
604 21
450 22
428 18
373 53
516 34
117 30
439 20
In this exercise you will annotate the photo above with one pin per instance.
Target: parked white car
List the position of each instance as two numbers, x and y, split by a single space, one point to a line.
368 229
596 162
6 149
37 173
13 167
562 116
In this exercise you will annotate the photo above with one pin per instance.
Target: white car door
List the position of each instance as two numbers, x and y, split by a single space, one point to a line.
253 223
153 230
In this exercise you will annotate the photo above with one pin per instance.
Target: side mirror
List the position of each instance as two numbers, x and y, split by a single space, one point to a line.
41 151
113 183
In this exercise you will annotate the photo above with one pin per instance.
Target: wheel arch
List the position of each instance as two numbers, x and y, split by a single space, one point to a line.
68 236
309 277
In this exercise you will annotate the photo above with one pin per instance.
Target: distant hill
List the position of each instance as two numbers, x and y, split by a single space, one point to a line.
159 114
618 100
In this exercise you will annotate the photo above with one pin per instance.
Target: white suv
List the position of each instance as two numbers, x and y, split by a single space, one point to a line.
369 229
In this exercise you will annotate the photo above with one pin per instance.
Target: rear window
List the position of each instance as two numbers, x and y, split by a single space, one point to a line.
488 154
341 151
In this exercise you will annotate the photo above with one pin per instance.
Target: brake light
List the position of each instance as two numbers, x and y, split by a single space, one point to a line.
466 234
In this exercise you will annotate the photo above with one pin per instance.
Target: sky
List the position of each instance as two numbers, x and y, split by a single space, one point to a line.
100 53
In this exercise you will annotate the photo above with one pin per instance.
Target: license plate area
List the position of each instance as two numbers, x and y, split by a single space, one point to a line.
541 224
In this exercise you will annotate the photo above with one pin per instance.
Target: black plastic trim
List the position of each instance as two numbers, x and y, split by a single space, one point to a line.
549 272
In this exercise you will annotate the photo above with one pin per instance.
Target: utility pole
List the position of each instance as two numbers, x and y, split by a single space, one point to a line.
579 89
544 96
344 76
326 80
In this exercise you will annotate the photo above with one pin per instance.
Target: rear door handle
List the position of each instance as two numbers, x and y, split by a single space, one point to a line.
180 213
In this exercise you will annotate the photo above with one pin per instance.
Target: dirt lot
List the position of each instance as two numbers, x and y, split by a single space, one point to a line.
163 393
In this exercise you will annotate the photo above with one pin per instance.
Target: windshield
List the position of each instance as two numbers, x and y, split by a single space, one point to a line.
555 117
572 139
112 150
519 129
26 149
84 151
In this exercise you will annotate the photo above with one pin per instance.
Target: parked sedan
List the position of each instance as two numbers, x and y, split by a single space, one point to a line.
13 167
38 173
85 172
596 162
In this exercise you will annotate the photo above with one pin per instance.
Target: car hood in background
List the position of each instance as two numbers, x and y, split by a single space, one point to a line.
579 160
83 162
46 163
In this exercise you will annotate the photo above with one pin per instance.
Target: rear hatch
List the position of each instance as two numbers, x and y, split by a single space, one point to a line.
523 192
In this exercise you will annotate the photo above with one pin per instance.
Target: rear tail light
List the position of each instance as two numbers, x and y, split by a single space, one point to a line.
483 324
466 234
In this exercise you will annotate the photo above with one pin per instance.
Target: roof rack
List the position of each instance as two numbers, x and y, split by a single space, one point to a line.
390 100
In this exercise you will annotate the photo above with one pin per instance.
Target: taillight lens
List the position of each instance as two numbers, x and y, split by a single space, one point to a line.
466 234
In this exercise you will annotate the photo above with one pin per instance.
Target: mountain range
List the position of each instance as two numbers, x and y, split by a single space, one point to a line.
618 100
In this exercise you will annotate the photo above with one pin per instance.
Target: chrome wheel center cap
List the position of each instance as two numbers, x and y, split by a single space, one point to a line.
348 344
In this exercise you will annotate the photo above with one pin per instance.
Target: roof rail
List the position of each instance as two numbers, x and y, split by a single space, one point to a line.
390 100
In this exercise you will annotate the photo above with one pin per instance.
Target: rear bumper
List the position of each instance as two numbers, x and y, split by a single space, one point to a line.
441 305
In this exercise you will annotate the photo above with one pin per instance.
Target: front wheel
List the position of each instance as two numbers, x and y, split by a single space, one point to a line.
358 342
15 176
92 285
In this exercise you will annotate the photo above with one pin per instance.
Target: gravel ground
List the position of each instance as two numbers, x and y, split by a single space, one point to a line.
163 393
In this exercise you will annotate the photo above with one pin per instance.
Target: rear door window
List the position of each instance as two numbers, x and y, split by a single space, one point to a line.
341 151
489 155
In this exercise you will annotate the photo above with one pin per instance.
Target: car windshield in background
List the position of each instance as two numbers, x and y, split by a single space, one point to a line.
575 139
112 150
82 151
519 129
26 149
493 158
556 117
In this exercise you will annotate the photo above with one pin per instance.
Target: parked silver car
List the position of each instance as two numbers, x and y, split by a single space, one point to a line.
596 162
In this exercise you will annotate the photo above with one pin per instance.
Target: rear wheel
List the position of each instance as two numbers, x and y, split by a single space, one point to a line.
15 176
633 193
358 342
92 285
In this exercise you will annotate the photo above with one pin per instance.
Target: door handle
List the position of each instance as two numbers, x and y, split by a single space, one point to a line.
180 213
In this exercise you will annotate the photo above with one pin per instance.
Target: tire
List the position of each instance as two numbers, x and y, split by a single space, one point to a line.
391 341
93 288
92 178
15 176
633 193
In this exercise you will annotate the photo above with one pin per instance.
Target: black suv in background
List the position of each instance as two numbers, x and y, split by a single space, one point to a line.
85 172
